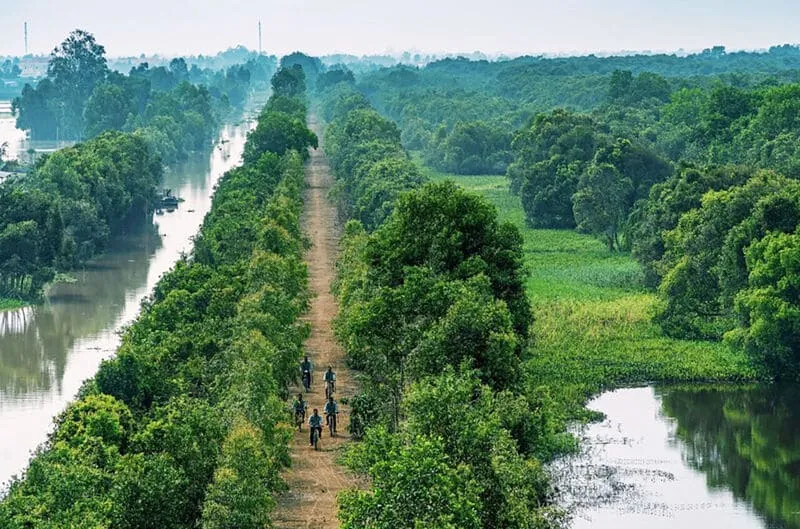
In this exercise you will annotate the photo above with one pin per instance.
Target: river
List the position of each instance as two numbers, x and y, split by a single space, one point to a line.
688 457
47 351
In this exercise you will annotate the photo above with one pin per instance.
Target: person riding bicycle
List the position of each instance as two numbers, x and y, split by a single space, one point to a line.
330 381
306 367
315 423
331 412
300 406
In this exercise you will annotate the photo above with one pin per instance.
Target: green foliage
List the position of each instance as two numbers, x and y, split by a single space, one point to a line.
413 485
64 211
768 305
279 132
433 282
184 427
550 156
705 253
71 202
289 81
665 205
372 167
470 148
81 98
239 497
593 328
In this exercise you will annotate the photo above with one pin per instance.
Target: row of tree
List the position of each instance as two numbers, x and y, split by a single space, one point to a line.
81 97
434 315
185 427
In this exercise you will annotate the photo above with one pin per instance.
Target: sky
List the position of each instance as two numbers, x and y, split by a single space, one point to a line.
320 27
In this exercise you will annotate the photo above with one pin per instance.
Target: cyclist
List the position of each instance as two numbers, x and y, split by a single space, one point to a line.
331 414
300 406
330 381
315 423
306 369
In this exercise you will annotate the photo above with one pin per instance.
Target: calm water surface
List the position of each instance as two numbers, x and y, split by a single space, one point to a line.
687 458
47 351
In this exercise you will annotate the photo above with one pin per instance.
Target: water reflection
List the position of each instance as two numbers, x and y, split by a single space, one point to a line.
666 459
46 352
743 440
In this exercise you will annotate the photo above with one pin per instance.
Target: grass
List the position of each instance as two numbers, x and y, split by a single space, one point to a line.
593 328
11 304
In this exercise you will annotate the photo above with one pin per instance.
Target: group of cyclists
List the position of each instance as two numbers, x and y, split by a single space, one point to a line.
331 409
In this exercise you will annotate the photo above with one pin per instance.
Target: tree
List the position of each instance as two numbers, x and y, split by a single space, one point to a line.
599 203
108 108
279 133
76 66
413 485
240 497
550 154
769 305
289 81
455 234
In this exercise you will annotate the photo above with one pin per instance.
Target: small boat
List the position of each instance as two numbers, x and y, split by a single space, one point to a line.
168 200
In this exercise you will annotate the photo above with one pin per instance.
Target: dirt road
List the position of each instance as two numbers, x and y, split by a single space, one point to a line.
315 478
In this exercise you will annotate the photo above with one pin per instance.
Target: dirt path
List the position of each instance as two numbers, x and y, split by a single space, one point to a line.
315 478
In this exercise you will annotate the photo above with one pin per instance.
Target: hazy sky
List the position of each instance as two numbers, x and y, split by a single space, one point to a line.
361 26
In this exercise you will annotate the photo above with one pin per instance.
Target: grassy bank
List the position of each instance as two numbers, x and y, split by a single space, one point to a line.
593 328
11 304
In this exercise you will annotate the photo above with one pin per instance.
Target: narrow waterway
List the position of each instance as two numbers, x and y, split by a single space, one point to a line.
691 457
47 351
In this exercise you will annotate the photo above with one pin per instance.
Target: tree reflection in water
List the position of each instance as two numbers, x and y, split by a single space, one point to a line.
746 440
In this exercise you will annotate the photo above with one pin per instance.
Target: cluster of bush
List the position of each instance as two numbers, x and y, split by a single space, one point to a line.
185 426
434 316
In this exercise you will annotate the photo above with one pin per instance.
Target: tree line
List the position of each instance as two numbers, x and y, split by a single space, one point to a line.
81 97
185 426
434 316
461 114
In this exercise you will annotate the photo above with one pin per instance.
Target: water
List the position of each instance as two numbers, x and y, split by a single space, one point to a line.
17 140
47 351
687 457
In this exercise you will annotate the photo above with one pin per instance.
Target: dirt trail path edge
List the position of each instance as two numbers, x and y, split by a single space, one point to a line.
315 478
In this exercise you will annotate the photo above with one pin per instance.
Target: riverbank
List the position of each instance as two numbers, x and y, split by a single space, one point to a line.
11 304
593 328
48 351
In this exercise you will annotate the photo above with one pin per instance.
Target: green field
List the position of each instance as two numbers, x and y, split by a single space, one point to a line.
593 326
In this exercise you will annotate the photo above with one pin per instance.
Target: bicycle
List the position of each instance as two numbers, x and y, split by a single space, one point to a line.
330 388
299 419
307 380
315 437
332 423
